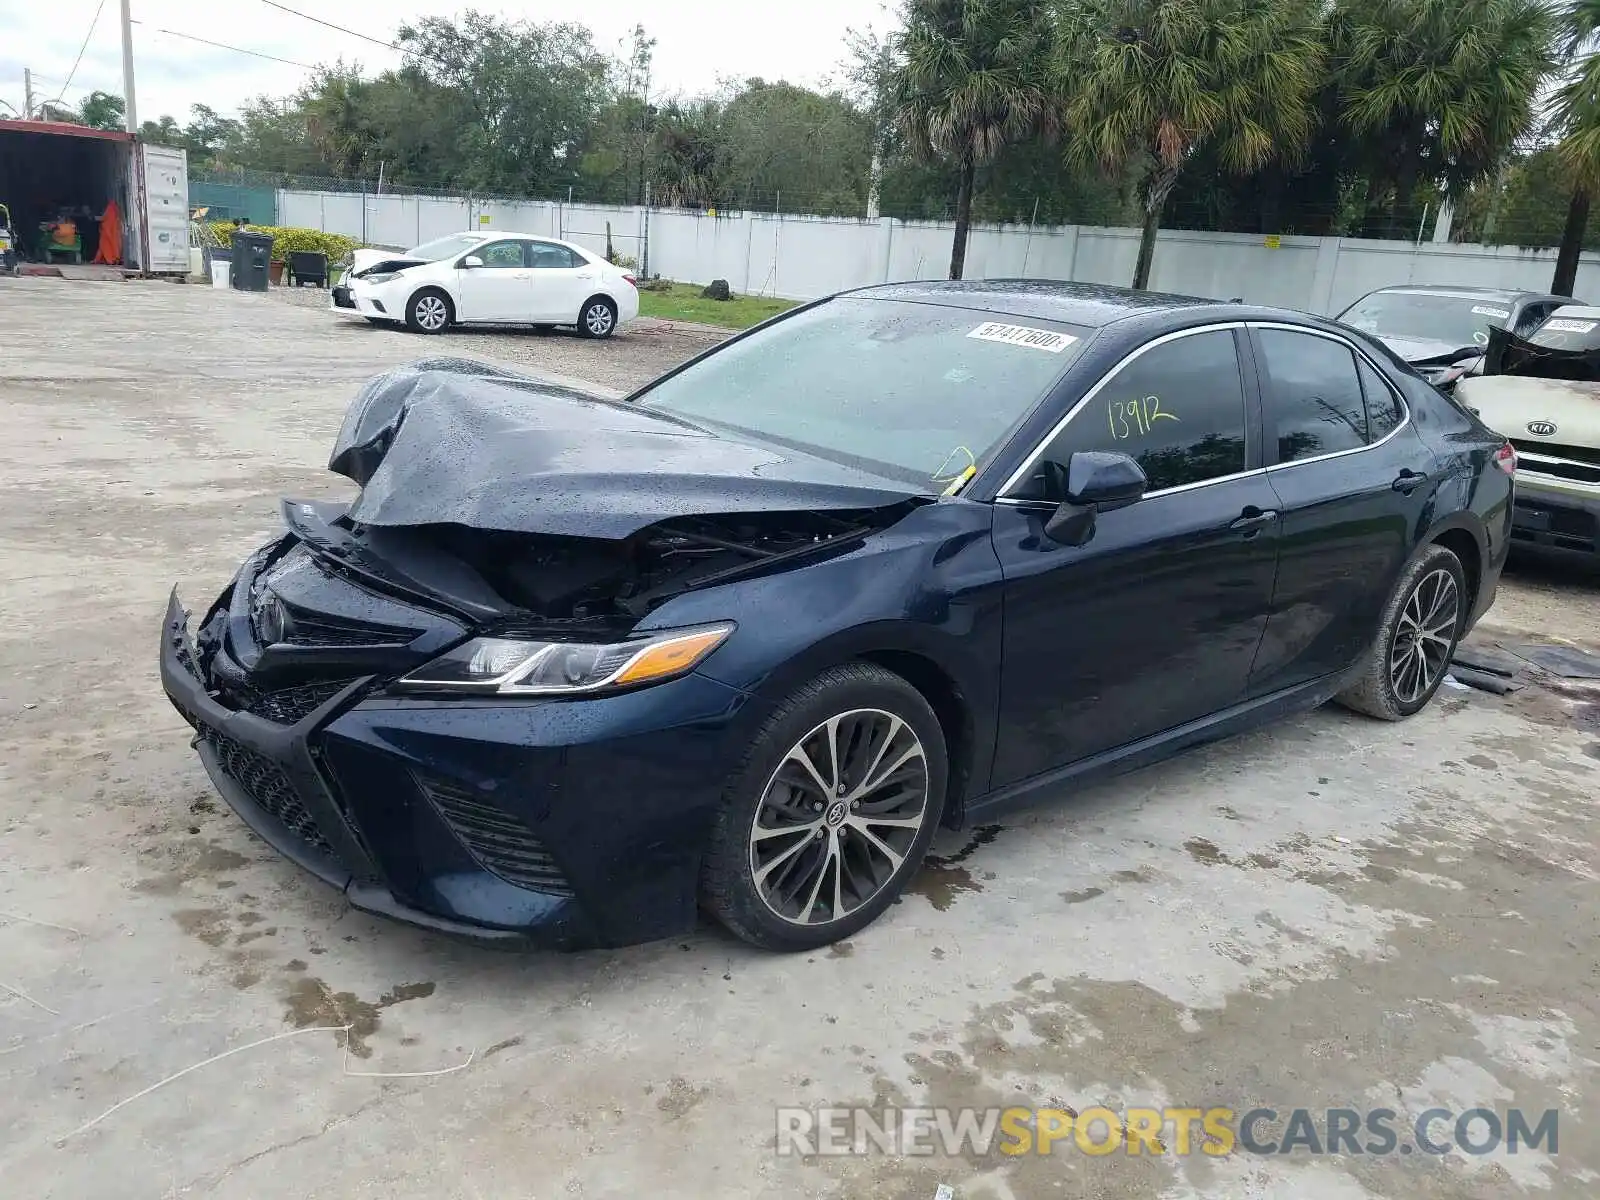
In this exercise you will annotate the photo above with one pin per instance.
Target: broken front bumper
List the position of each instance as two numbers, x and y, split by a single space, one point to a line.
269 776
565 824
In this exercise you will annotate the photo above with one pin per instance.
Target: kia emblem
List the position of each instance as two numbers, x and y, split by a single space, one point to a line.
1541 428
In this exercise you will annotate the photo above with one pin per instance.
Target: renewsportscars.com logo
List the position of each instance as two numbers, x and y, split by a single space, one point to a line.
1217 1132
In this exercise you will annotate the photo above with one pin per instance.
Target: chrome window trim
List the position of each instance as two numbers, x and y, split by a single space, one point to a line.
1018 502
1022 472
1354 349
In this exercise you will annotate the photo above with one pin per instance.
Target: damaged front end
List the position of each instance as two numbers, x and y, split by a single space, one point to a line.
367 692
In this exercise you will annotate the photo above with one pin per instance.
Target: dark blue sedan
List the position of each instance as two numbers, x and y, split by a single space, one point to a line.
572 670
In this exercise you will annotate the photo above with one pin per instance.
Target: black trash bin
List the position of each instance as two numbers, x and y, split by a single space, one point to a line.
252 258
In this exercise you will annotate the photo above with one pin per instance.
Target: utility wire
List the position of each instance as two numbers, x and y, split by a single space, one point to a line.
365 37
98 10
236 49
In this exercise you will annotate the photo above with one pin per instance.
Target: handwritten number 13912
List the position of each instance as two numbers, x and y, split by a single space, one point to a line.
1135 417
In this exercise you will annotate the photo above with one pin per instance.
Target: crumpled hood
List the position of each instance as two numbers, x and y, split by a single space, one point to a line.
459 442
1508 404
1416 350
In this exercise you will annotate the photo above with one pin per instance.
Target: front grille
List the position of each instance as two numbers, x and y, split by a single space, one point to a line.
310 631
287 706
266 784
1558 462
341 297
498 840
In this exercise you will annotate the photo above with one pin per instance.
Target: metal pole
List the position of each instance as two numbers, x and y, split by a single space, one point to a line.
129 108
644 249
27 94
1028 245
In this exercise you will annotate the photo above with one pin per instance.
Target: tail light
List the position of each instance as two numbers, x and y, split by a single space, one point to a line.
632 282
1506 459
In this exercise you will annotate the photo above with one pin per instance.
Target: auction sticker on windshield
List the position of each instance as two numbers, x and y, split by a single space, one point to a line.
1567 325
1022 335
1483 310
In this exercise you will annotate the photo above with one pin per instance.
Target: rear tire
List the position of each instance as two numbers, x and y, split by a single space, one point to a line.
811 845
1416 638
598 318
429 311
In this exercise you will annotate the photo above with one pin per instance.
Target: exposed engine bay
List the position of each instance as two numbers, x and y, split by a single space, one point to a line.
571 577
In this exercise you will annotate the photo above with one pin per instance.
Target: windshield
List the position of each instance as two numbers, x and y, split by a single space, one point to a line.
441 248
1568 333
916 392
1458 321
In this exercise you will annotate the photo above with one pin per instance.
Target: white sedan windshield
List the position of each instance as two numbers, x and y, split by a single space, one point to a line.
917 392
441 248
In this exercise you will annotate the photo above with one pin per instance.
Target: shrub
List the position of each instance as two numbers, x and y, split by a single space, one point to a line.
288 239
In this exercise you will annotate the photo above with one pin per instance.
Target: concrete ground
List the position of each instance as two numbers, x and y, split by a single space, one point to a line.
1330 913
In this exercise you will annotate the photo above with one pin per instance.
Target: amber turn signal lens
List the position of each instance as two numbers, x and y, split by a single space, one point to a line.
671 657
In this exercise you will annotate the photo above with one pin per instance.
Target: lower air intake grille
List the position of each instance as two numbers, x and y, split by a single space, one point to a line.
498 840
289 705
265 783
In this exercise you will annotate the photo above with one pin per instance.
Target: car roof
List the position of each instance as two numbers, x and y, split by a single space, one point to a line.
1460 292
1087 304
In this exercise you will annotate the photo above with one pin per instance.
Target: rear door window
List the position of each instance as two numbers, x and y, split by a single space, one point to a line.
1312 394
1177 410
1384 410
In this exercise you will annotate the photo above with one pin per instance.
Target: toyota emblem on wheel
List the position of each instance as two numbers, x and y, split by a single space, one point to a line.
1541 428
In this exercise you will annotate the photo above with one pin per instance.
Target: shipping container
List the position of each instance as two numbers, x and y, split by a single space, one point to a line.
49 168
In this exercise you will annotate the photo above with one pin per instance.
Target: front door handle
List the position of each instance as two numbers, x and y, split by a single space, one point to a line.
1409 481
1252 519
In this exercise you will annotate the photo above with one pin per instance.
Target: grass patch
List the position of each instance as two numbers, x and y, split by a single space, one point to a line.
684 303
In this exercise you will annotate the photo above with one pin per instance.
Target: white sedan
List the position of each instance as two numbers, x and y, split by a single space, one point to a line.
489 279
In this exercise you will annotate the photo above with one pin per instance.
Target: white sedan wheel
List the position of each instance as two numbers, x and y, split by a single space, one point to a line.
599 319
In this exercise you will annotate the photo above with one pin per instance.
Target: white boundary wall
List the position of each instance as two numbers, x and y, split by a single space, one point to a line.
803 257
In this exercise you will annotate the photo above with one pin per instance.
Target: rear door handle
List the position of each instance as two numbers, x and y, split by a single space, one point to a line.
1409 481
1252 519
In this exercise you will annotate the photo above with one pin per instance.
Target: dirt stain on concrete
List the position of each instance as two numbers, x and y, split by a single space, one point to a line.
311 1002
940 885
1205 851
841 950
210 925
1081 897
500 1047
681 1099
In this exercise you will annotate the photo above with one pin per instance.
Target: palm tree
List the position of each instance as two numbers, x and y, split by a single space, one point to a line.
1154 81
1577 118
973 77
1435 91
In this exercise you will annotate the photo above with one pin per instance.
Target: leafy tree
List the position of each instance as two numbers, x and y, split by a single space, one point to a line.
1577 118
973 77
102 110
532 89
1434 91
1157 81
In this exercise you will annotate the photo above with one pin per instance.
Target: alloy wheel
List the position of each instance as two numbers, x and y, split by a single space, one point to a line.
839 816
1424 636
597 319
432 313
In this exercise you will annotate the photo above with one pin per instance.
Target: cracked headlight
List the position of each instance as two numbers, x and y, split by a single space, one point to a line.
518 666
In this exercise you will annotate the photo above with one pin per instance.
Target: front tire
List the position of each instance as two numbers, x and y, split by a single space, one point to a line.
598 318
1417 637
429 311
830 813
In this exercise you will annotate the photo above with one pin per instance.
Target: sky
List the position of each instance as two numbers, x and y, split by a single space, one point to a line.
697 43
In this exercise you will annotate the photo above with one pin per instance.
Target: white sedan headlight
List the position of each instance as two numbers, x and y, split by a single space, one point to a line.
518 666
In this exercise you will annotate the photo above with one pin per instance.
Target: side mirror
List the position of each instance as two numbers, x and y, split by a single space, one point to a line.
472 260
1096 481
